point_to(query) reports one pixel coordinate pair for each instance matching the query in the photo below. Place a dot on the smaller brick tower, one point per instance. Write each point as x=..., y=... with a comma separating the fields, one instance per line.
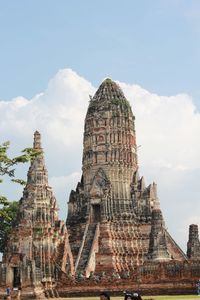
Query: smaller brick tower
x=157, y=240
x=37, y=248
x=193, y=245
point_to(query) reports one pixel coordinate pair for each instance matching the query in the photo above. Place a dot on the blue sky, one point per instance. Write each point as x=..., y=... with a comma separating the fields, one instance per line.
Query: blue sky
x=62, y=50
x=155, y=44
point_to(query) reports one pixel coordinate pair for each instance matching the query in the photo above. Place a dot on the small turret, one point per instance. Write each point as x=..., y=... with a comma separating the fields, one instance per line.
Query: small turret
x=155, y=203
x=193, y=245
x=157, y=242
x=142, y=184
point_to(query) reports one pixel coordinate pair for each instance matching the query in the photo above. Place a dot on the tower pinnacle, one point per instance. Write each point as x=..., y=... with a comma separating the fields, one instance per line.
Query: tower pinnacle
x=109, y=97
x=37, y=140
x=37, y=173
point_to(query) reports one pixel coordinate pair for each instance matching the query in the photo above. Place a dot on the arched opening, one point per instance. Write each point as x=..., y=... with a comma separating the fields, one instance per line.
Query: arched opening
x=16, y=277
x=96, y=213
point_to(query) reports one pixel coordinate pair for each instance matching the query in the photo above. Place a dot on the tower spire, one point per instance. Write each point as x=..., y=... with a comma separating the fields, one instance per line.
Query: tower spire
x=37, y=173
x=37, y=140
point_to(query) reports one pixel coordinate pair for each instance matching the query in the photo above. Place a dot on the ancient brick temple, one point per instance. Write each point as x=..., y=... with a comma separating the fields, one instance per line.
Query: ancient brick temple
x=114, y=237
x=38, y=248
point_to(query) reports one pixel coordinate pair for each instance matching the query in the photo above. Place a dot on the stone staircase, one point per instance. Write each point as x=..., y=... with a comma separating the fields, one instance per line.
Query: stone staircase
x=85, y=249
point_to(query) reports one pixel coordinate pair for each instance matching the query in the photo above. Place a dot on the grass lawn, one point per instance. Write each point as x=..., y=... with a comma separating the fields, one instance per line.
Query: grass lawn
x=165, y=297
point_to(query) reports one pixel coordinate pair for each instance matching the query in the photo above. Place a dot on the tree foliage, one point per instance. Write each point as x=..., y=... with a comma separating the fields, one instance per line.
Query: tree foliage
x=8, y=165
x=8, y=210
x=6, y=223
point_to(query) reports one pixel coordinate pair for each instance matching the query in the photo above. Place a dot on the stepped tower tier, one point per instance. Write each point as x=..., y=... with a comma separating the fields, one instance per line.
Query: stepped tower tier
x=110, y=222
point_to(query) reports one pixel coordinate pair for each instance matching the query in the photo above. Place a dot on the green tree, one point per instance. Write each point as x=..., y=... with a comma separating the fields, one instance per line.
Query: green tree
x=10, y=210
x=7, y=166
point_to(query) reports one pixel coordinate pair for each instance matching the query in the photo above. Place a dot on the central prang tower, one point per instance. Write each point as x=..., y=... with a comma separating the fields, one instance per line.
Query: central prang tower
x=114, y=220
x=110, y=153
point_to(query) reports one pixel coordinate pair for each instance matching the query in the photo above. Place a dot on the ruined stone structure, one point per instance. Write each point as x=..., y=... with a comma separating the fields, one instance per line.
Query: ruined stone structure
x=37, y=249
x=193, y=245
x=114, y=221
x=114, y=237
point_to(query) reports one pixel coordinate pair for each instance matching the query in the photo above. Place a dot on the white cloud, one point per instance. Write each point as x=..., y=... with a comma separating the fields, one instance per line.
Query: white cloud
x=62, y=186
x=167, y=129
x=167, y=126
